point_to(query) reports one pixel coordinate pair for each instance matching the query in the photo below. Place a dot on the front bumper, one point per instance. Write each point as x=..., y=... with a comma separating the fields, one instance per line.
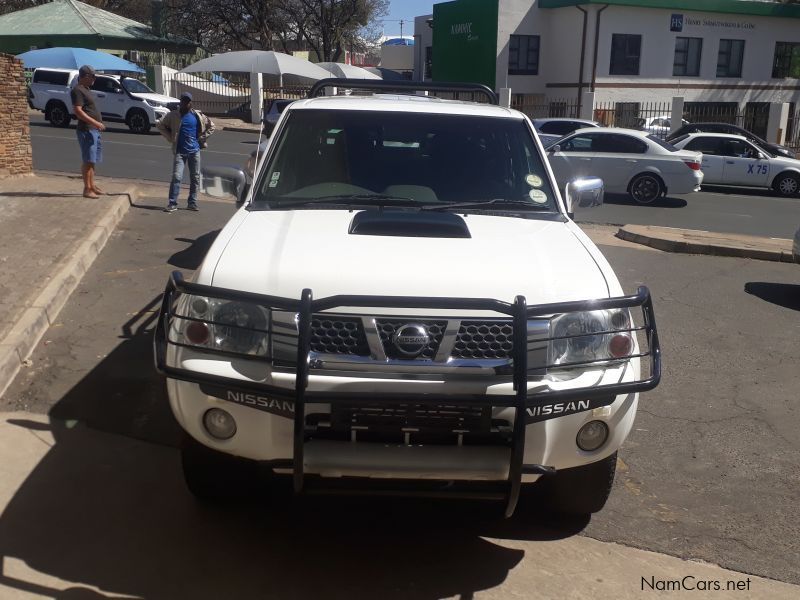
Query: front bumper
x=522, y=399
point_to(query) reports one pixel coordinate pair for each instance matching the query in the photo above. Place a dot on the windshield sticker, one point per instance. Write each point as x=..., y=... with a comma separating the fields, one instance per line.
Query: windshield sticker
x=538, y=196
x=533, y=180
x=275, y=177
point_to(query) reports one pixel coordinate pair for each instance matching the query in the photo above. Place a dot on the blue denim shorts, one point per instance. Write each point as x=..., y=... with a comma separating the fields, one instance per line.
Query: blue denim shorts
x=91, y=146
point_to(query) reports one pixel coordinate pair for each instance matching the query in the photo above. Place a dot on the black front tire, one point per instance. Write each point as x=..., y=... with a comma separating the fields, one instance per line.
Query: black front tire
x=214, y=477
x=787, y=185
x=138, y=121
x=580, y=490
x=646, y=188
x=58, y=115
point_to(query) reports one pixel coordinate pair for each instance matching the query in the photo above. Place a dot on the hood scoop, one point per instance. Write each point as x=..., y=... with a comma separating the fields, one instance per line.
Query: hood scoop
x=406, y=223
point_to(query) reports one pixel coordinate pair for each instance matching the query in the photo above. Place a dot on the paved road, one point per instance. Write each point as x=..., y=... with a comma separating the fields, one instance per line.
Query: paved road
x=126, y=154
x=710, y=472
x=148, y=157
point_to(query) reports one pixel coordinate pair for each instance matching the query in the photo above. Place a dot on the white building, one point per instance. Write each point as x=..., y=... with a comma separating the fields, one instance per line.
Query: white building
x=728, y=54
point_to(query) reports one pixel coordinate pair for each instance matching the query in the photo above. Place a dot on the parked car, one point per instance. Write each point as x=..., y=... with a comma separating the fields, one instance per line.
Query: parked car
x=735, y=160
x=774, y=149
x=629, y=162
x=659, y=126
x=119, y=99
x=272, y=112
x=562, y=126
x=352, y=324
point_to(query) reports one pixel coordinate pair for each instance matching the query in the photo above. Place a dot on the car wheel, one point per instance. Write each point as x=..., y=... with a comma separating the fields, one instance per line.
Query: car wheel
x=646, y=188
x=58, y=115
x=138, y=121
x=580, y=490
x=787, y=184
x=214, y=477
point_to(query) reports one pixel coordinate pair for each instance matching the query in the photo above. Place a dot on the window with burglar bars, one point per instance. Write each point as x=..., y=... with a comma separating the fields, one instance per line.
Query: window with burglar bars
x=787, y=60
x=626, y=49
x=687, y=56
x=523, y=55
x=730, y=57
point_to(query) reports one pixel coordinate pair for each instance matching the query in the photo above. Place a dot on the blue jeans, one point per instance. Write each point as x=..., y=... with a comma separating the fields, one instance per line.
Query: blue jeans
x=177, y=176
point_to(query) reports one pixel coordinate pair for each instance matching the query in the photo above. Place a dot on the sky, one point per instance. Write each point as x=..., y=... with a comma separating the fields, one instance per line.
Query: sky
x=406, y=10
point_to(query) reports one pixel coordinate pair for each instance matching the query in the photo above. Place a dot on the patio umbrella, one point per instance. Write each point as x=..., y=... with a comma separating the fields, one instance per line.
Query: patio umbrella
x=258, y=61
x=74, y=58
x=347, y=71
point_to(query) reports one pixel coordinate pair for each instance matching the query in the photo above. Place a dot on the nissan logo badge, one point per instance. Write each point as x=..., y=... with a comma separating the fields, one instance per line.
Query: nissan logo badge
x=411, y=339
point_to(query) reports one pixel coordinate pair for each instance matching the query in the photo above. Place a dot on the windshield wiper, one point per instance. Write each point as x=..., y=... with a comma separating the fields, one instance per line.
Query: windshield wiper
x=350, y=199
x=482, y=203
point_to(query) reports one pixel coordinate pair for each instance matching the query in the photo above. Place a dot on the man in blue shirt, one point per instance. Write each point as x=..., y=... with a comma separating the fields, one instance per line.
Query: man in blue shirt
x=187, y=129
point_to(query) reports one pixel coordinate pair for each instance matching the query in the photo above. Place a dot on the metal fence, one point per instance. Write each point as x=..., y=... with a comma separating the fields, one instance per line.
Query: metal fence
x=650, y=116
x=793, y=128
x=213, y=94
x=537, y=107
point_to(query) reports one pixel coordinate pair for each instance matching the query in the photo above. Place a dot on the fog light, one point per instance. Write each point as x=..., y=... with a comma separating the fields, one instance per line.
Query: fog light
x=592, y=435
x=219, y=423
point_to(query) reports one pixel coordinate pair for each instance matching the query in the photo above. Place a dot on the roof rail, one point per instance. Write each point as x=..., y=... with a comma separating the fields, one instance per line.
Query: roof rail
x=402, y=86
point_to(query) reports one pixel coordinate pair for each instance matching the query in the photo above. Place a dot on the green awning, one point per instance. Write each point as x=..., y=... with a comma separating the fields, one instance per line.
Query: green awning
x=71, y=23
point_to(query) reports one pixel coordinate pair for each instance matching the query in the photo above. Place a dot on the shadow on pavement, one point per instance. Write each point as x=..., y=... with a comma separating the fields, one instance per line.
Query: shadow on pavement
x=192, y=257
x=741, y=191
x=625, y=200
x=123, y=394
x=786, y=295
x=113, y=513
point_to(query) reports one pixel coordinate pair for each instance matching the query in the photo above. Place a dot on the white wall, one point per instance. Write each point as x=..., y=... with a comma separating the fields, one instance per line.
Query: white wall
x=658, y=51
x=423, y=38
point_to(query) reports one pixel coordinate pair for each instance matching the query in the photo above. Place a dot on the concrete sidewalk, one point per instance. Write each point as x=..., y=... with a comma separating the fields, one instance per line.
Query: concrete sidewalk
x=86, y=514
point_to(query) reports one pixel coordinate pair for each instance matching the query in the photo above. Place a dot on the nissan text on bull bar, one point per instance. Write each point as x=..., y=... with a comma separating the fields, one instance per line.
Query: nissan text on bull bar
x=404, y=303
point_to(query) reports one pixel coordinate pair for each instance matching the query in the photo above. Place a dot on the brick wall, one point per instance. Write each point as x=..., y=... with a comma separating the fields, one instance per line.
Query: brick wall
x=15, y=130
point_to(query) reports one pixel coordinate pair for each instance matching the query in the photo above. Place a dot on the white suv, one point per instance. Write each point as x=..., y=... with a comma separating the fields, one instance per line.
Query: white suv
x=404, y=302
x=119, y=99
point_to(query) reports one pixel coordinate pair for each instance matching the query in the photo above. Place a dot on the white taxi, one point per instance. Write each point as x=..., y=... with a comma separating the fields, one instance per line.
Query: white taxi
x=628, y=161
x=733, y=160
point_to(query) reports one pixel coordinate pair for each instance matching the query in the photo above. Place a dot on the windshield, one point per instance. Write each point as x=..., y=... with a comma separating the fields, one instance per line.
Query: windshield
x=409, y=158
x=136, y=87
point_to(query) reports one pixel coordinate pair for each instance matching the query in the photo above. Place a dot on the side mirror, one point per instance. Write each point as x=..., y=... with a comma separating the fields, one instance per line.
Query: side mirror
x=119, y=91
x=554, y=148
x=583, y=193
x=220, y=181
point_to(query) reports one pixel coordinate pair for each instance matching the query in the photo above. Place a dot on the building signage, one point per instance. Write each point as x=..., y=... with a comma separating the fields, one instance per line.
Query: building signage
x=465, y=41
x=678, y=22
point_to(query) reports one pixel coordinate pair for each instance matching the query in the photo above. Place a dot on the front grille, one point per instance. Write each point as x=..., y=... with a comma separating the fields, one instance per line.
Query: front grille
x=173, y=105
x=386, y=329
x=484, y=340
x=338, y=335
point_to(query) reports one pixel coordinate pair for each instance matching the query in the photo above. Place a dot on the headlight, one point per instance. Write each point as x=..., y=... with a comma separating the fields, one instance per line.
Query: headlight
x=238, y=327
x=582, y=338
x=155, y=103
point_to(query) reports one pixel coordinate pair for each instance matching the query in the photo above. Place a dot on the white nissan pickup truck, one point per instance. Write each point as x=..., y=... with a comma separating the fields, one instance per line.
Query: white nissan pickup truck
x=403, y=302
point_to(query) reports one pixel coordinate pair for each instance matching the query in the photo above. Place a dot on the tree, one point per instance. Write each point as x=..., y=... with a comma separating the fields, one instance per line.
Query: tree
x=331, y=26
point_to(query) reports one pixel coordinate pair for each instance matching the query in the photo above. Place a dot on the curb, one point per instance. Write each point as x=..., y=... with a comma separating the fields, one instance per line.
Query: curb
x=240, y=129
x=44, y=309
x=676, y=241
